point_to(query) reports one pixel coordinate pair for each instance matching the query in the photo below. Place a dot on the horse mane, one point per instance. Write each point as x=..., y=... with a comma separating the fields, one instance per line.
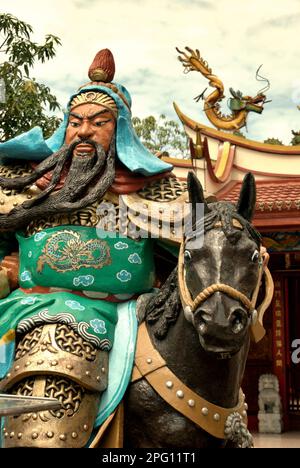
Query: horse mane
x=164, y=308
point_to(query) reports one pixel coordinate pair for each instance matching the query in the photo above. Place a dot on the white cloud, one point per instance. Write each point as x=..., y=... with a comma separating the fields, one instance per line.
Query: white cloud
x=234, y=36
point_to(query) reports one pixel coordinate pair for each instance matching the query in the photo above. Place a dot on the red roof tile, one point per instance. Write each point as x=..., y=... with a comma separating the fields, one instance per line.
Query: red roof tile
x=272, y=196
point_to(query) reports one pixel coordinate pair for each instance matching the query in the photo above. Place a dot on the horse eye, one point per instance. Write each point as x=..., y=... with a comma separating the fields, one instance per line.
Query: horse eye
x=187, y=255
x=255, y=256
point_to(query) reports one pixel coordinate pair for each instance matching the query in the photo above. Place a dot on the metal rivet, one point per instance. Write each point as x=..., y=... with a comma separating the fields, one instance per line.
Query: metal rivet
x=103, y=370
x=145, y=205
x=17, y=368
x=29, y=197
x=204, y=411
x=2, y=202
x=169, y=384
x=8, y=375
x=27, y=363
x=180, y=394
x=34, y=416
x=11, y=435
x=20, y=435
x=15, y=203
x=161, y=210
x=4, y=429
x=88, y=373
x=50, y=434
x=6, y=434
x=40, y=361
x=149, y=361
x=63, y=437
x=191, y=403
x=53, y=363
x=34, y=435
x=74, y=435
x=173, y=231
x=69, y=366
x=217, y=417
x=85, y=427
x=98, y=378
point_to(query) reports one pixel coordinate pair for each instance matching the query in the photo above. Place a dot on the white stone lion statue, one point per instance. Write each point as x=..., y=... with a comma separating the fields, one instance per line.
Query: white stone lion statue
x=269, y=402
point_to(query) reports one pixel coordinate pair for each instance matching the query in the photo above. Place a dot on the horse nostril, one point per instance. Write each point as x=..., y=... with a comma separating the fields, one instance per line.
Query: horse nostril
x=238, y=320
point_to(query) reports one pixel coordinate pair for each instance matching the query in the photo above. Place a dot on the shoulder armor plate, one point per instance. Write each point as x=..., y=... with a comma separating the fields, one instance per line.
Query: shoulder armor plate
x=9, y=198
x=159, y=209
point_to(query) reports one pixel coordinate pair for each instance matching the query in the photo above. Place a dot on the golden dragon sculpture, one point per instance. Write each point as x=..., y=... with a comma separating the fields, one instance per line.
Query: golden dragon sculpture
x=239, y=104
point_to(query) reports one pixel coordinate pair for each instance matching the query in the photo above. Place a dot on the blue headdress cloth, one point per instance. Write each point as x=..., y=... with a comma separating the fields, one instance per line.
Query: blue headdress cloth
x=130, y=151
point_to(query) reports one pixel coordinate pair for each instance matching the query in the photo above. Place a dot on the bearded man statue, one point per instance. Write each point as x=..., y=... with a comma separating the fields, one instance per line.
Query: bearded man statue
x=71, y=272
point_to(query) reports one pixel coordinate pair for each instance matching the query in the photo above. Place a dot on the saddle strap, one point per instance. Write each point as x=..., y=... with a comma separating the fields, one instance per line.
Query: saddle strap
x=208, y=416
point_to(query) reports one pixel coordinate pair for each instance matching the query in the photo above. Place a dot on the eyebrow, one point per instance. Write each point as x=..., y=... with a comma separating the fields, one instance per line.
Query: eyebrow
x=90, y=117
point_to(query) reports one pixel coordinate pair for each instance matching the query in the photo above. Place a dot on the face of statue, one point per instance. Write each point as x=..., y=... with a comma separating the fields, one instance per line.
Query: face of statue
x=90, y=122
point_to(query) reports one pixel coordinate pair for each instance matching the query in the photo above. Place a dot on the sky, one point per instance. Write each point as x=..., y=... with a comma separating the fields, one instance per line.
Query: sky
x=234, y=36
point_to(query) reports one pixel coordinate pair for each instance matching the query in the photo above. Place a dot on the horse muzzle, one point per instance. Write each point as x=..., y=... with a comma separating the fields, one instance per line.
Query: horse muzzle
x=221, y=330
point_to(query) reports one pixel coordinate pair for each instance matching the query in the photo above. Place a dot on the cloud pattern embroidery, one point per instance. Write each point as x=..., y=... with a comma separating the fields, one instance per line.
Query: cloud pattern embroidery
x=26, y=276
x=135, y=258
x=124, y=276
x=39, y=236
x=121, y=246
x=74, y=305
x=98, y=326
x=30, y=300
x=87, y=280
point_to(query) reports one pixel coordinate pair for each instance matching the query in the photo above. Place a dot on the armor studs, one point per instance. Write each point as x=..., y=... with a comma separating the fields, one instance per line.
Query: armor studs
x=179, y=394
x=34, y=435
x=217, y=417
x=169, y=384
x=74, y=435
x=204, y=411
x=85, y=427
x=63, y=437
x=149, y=361
x=50, y=434
x=191, y=403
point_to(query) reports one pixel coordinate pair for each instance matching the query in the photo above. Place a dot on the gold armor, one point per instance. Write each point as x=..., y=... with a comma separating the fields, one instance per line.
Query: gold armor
x=54, y=361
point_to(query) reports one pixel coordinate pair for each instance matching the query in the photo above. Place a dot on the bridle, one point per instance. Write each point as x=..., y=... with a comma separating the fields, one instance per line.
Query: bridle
x=190, y=305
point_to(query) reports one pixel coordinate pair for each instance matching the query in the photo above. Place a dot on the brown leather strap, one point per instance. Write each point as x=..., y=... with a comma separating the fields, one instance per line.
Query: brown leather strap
x=151, y=365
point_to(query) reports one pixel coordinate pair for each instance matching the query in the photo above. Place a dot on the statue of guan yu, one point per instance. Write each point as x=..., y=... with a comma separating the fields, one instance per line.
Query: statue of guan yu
x=74, y=265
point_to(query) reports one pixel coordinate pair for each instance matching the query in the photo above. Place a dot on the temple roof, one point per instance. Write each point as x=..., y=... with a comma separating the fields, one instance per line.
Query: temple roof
x=277, y=205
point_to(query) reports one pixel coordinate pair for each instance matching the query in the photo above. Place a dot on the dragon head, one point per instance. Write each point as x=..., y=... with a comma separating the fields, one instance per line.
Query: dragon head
x=239, y=102
x=251, y=104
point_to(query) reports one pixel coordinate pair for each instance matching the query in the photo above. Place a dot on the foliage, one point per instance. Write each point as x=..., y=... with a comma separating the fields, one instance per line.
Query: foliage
x=162, y=135
x=24, y=101
x=273, y=141
x=296, y=138
x=238, y=133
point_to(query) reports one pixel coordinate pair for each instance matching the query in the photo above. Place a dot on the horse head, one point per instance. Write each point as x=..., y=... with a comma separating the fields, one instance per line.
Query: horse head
x=219, y=269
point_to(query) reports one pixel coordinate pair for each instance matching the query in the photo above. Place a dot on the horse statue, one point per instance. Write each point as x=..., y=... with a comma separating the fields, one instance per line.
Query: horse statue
x=194, y=338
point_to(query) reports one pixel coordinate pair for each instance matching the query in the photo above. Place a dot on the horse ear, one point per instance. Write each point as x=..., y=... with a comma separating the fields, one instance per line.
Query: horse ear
x=196, y=195
x=246, y=203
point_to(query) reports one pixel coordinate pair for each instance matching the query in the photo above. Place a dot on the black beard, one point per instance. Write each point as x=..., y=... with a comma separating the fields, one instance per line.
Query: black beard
x=88, y=178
